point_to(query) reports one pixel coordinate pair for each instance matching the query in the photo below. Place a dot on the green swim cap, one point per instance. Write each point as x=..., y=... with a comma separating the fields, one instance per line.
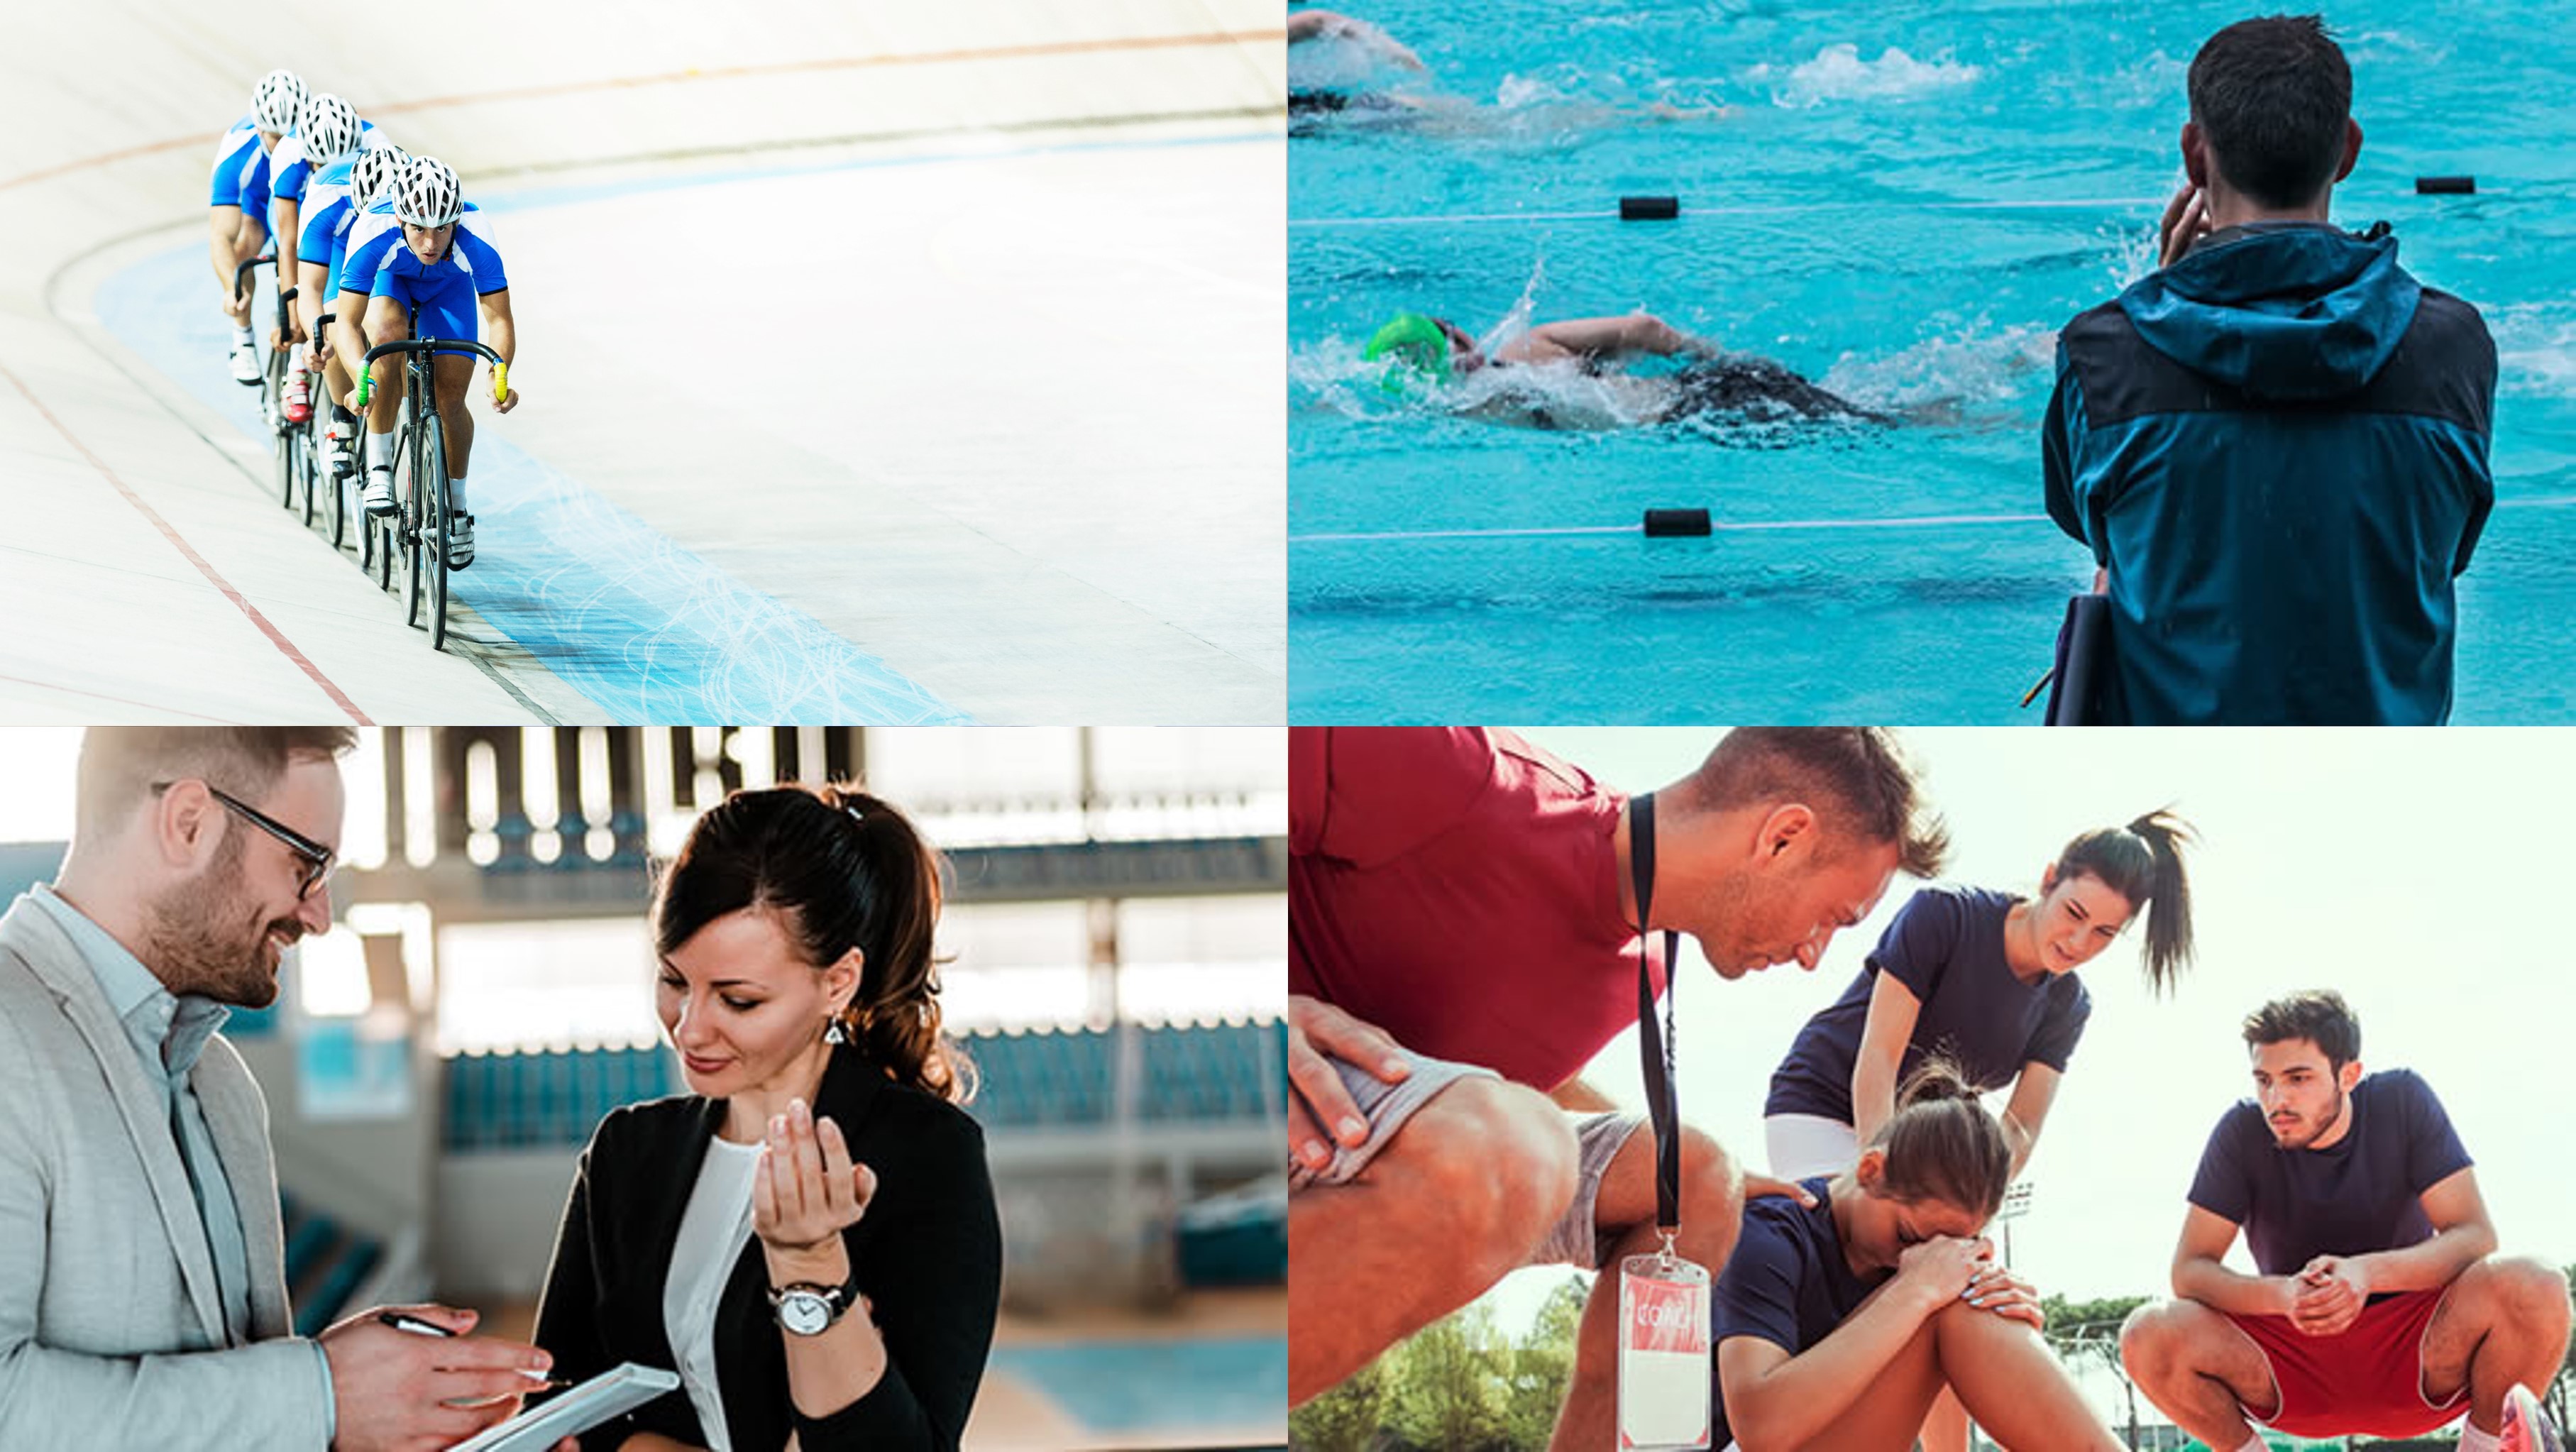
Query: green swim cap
x=1415, y=346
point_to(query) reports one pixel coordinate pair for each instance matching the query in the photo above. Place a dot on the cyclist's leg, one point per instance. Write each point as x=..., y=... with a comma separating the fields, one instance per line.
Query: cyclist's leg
x=386, y=323
x=454, y=373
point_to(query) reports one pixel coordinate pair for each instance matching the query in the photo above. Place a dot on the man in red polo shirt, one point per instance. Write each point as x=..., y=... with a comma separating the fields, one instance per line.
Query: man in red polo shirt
x=1462, y=941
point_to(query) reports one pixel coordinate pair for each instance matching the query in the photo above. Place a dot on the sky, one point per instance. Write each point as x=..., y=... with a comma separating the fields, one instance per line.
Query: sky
x=2411, y=870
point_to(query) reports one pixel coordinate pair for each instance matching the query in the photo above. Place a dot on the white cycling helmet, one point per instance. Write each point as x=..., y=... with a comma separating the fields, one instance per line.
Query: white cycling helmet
x=429, y=195
x=278, y=100
x=329, y=127
x=373, y=172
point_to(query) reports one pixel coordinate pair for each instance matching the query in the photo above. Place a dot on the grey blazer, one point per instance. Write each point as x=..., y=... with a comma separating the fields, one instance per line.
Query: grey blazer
x=111, y=1334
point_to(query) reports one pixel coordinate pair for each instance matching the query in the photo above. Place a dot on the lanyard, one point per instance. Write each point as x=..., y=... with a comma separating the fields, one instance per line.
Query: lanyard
x=1655, y=1041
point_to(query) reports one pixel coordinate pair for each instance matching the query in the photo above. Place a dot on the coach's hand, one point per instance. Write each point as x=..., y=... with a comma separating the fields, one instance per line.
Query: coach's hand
x=1757, y=1186
x=2332, y=1291
x=2186, y=221
x=1317, y=1098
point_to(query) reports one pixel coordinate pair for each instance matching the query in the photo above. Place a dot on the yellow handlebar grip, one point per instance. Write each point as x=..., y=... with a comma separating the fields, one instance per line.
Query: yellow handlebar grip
x=500, y=382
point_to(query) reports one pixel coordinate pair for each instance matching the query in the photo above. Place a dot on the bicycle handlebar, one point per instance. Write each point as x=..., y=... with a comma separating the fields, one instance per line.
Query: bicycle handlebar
x=500, y=365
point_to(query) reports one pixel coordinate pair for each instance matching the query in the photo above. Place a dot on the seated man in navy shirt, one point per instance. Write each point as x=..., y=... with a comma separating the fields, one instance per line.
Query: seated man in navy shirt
x=2381, y=1307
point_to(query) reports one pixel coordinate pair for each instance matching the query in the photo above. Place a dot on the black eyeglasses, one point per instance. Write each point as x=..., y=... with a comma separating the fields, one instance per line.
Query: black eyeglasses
x=315, y=859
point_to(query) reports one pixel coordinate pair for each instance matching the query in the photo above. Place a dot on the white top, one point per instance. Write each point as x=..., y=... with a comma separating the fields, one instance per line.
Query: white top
x=713, y=1231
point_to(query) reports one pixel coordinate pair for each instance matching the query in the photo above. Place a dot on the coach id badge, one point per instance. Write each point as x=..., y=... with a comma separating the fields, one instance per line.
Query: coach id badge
x=1664, y=1367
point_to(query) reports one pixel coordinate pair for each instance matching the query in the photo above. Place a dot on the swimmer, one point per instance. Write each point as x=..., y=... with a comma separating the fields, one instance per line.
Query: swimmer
x=1572, y=374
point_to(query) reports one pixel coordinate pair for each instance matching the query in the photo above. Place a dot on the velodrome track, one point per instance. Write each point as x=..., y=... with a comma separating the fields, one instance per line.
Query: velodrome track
x=874, y=367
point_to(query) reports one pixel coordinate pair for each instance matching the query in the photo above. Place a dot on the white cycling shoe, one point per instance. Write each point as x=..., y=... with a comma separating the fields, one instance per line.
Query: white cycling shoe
x=379, y=495
x=246, y=364
x=460, y=541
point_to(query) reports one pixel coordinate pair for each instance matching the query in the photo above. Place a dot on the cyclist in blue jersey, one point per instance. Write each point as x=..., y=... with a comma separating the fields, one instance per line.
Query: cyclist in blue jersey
x=327, y=133
x=238, y=223
x=371, y=178
x=449, y=275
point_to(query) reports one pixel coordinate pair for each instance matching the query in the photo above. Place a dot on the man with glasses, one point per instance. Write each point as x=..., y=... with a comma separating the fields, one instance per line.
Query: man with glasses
x=142, y=1272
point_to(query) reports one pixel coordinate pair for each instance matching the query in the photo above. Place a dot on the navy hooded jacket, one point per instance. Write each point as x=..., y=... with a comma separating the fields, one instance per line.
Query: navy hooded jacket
x=2278, y=448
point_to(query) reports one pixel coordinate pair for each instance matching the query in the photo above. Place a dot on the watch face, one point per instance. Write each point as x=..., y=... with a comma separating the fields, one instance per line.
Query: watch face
x=804, y=1313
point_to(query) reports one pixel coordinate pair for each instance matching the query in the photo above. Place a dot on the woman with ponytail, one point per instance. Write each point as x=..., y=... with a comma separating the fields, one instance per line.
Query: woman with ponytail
x=1987, y=980
x=809, y=1236
x=1836, y=1324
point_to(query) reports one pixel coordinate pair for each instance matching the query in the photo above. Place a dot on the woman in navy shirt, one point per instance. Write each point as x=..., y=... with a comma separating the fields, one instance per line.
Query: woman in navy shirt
x=1987, y=979
x=1837, y=1324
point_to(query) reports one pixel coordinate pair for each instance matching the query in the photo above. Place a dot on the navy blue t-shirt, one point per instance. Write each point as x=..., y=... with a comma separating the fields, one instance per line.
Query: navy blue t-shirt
x=1947, y=944
x=1786, y=1282
x=2357, y=1195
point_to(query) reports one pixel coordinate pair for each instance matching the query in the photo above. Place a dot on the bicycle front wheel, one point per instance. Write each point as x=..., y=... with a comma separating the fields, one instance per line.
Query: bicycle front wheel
x=434, y=539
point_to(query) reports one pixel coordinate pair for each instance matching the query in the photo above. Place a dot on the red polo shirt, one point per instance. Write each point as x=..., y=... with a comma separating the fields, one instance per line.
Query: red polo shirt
x=1458, y=888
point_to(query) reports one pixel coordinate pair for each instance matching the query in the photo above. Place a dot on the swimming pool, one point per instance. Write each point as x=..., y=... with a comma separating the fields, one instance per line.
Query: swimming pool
x=1903, y=202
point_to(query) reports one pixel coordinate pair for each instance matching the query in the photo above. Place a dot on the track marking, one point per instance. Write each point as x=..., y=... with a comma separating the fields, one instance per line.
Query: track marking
x=276, y=637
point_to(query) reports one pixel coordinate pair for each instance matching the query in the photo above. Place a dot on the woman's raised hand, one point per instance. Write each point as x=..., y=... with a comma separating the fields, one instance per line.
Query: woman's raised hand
x=807, y=1192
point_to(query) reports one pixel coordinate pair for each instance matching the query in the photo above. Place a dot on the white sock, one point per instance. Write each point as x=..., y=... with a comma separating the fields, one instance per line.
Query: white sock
x=456, y=496
x=2473, y=1440
x=241, y=335
x=380, y=450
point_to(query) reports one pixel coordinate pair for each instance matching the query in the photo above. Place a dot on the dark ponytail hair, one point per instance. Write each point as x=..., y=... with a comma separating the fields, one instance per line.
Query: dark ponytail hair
x=2143, y=863
x=1942, y=1144
x=842, y=870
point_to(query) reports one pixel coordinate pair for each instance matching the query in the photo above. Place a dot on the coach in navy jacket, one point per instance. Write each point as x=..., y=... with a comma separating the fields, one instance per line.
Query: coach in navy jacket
x=2276, y=445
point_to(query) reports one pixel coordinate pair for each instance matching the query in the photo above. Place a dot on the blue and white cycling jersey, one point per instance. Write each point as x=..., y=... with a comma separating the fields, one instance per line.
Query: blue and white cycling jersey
x=234, y=157
x=326, y=203
x=445, y=292
x=292, y=170
x=374, y=232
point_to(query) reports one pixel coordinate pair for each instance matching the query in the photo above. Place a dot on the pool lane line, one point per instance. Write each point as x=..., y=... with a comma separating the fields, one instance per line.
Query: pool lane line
x=275, y=636
x=1767, y=209
x=1717, y=526
x=1751, y=526
x=612, y=83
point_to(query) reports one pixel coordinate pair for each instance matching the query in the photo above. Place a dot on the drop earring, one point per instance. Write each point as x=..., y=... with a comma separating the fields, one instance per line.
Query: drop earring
x=832, y=1031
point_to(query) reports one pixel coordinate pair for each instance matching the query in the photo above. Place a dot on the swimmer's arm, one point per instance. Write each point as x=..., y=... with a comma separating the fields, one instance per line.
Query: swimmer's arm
x=2199, y=1276
x=2033, y=1092
x=1775, y=1400
x=1893, y=1010
x=2462, y=1236
x=1613, y=337
x=1306, y=25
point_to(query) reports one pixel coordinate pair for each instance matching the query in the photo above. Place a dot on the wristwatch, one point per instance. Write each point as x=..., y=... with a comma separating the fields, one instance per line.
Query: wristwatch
x=806, y=1309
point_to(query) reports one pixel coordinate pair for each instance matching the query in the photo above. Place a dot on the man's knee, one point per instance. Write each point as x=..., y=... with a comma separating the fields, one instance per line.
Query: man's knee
x=2150, y=1336
x=1712, y=1187
x=1498, y=1161
x=2527, y=1292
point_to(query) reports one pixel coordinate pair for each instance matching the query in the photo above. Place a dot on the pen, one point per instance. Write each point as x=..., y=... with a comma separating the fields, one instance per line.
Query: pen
x=419, y=1327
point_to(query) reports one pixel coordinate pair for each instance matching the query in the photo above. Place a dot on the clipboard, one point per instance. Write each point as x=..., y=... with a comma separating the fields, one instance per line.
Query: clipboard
x=609, y=1394
x=2083, y=663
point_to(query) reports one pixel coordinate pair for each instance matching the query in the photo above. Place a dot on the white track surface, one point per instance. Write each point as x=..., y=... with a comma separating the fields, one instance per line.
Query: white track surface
x=950, y=337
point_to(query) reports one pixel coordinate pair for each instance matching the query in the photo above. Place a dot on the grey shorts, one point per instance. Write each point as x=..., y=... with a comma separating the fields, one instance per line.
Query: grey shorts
x=1574, y=1240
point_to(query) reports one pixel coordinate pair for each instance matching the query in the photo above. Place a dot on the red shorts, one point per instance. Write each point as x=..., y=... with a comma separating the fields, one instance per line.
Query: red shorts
x=2369, y=1379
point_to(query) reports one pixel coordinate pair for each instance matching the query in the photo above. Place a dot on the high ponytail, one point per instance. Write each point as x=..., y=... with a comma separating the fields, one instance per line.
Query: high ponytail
x=2142, y=862
x=843, y=870
x=1941, y=1143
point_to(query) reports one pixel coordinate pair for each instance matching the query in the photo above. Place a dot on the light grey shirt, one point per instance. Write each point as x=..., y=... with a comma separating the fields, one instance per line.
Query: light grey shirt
x=169, y=1031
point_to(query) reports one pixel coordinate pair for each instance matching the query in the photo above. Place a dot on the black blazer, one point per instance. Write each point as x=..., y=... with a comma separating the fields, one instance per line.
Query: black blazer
x=927, y=1254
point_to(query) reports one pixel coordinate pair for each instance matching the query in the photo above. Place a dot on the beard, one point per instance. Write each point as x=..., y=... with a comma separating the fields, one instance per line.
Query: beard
x=2325, y=1125
x=205, y=936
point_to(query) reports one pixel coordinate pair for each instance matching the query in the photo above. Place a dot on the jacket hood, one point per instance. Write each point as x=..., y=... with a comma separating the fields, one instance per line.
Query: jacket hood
x=2284, y=310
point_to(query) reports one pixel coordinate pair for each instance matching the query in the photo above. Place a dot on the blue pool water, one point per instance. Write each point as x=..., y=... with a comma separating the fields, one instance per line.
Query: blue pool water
x=1139, y=1386
x=1902, y=201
